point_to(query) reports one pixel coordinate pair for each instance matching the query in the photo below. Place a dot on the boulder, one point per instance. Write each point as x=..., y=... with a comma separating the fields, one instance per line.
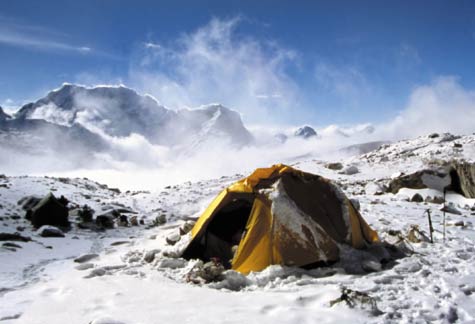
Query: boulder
x=14, y=237
x=86, y=257
x=186, y=227
x=105, y=221
x=173, y=238
x=28, y=202
x=150, y=255
x=349, y=170
x=434, y=200
x=451, y=209
x=334, y=166
x=373, y=188
x=49, y=211
x=420, y=180
x=50, y=231
x=463, y=175
x=134, y=221
x=417, y=198
x=123, y=221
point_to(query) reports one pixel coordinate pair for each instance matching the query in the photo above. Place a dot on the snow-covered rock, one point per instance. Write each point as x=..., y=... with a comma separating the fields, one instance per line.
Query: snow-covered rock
x=349, y=170
x=50, y=231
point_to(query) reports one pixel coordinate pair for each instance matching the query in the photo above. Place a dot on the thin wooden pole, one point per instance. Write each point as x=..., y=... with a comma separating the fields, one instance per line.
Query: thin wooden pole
x=445, y=190
x=431, y=229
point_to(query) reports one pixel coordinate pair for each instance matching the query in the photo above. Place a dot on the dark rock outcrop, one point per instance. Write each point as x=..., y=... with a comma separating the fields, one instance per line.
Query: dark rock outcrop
x=463, y=178
x=49, y=211
x=305, y=132
x=420, y=180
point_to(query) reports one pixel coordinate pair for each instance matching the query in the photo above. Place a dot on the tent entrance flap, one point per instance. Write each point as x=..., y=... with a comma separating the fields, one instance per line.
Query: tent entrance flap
x=223, y=232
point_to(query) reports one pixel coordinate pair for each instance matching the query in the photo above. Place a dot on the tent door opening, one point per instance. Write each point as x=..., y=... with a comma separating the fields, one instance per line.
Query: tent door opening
x=223, y=233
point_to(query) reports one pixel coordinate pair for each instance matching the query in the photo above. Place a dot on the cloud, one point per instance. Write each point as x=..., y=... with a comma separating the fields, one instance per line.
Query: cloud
x=442, y=106
x=346, y=82
x=18, y=34
x=215, y=63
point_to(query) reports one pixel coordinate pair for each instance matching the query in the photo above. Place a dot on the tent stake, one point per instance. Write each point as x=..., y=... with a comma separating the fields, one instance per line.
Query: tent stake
x=431, y=229
x=444, y=212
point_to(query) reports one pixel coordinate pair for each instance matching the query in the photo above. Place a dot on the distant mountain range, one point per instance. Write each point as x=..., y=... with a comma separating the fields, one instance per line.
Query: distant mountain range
x=76, y=122
x=119, y=111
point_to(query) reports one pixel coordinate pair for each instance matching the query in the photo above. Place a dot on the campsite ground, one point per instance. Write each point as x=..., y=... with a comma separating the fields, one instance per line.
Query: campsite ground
x=40, y=282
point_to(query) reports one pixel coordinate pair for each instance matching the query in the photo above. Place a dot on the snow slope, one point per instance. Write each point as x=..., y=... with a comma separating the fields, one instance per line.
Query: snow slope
x=434, y=284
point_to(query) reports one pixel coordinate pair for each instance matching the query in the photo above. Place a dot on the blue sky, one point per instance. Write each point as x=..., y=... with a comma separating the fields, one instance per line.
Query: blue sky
x=280, y=61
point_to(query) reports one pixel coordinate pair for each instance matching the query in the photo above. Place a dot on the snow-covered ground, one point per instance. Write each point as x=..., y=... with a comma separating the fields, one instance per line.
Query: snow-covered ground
x=41, y=283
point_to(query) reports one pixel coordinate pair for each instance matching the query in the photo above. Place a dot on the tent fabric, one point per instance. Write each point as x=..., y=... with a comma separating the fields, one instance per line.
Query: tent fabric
x=296, y=219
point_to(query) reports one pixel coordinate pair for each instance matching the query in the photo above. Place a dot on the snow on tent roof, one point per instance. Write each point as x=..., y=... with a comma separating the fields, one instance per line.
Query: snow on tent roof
x=278, y=215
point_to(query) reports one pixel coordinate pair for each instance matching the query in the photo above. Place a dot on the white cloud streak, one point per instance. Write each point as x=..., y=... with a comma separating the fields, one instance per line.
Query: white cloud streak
x=216, y=64
x=13, y=33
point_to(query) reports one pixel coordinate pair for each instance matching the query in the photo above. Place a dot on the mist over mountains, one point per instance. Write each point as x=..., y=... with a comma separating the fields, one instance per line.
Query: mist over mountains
x=115, y=128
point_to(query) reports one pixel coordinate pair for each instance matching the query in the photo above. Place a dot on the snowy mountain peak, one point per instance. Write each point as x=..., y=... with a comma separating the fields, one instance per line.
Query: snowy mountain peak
x=305, y=132
x=3, y=115
x=119, y=111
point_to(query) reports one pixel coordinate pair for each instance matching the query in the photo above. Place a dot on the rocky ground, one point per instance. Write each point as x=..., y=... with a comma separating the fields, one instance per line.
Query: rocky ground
x=131, y=273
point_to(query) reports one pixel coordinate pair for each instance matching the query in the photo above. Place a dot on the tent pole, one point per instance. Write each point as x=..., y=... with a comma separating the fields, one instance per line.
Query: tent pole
x=431, y=229
x=445, y=190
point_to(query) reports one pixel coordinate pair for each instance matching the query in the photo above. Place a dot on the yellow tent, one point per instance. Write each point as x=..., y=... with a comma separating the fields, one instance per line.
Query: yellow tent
x=278, y=215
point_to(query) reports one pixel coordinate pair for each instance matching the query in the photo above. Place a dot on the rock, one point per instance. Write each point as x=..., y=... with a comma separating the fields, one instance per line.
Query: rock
x=415, y=235
x=86, y=257
x=349, y=170
x=371, y=266
x=28, y=202
x=186, y=227
x=361, y=300
x=173, y=238
x=12, y=245
x=14, y=237
x=435, y=200
x=160, y=220
x=50, y=231
x=49, y=211
x=305, y=132
x=451, y=209
x=85, y=213
x=99, y=272
x=417, y=198
x=123, y=221
x=172, y=263
x=464, y=174
x=134, y=221
x=420, y=180
x=334, y=166
x=119, y=243
x=105, y=221
x=374, y=189
x=91, y=226
x=211, y=271
x=457, y=223
x=150, y=255
x=84, y=266
x=433, y=135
